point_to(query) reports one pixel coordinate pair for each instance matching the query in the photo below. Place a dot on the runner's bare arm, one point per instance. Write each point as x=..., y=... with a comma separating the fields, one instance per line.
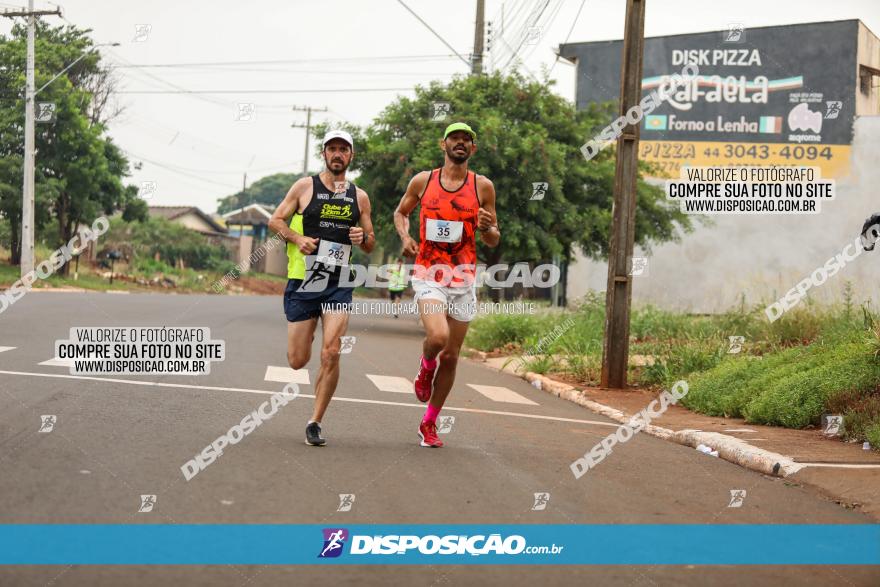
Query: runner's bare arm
x=408, y=202
x=280, y=221
x=363, y=235
x=487, y=221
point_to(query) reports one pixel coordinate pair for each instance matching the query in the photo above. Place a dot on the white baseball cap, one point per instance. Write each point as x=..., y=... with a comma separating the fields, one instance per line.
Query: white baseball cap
x=337, y=134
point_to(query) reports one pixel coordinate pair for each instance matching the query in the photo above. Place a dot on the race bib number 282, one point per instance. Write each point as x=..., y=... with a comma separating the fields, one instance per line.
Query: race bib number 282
x=330, y=253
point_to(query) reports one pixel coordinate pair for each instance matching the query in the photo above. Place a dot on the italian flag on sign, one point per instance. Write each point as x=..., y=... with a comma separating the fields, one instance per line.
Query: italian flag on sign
x=771, y=124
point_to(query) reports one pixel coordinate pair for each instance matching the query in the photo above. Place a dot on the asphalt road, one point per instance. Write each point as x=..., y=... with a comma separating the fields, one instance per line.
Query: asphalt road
x=116, y=440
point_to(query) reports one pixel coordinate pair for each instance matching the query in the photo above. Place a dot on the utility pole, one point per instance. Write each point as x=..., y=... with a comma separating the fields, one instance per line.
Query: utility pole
x=27, y=194
x=618, y=295
x=479, y=30
x=308, y=126
x=241, y=210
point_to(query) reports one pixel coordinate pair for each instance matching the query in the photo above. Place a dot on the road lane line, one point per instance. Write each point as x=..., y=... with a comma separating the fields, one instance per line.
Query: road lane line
x=3, y=349
x=335, y=398
x=393, y=384
x=502, y=394
x=843, y=465
x=145, y=383
x=287, y=375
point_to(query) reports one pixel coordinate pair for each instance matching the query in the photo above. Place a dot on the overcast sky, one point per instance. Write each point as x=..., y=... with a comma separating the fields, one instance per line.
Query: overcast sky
x=352, y=57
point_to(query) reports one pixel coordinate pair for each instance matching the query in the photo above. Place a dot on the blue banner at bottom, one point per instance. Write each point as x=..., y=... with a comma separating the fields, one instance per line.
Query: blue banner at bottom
x=455, y=544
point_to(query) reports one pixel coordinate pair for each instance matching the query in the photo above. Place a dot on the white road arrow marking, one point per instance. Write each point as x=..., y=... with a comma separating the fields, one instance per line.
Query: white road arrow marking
x=502, y=394
x=287, y=375
x=394, y=384
x=56, y=362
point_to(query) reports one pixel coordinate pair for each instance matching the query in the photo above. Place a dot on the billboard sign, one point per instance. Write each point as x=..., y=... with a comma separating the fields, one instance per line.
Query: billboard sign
x=765, y=96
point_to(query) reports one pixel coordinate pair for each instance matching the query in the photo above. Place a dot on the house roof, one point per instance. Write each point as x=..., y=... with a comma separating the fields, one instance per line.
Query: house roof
x=253, y=215
x=172, y=212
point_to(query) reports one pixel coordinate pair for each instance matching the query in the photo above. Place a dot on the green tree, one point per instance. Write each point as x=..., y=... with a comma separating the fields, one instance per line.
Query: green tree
x=79, y=170
x=136, y=209
x=525, y=134
x=269, y=190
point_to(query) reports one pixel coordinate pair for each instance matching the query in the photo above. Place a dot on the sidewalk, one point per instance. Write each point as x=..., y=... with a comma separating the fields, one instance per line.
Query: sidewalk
x=841, y=471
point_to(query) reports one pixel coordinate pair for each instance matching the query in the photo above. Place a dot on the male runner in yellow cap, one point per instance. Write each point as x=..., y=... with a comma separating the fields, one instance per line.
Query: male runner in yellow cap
x=455, y=203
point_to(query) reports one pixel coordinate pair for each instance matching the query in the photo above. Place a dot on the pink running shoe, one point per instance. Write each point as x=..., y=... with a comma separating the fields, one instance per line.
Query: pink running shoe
x=428, y=435
x=424, y=383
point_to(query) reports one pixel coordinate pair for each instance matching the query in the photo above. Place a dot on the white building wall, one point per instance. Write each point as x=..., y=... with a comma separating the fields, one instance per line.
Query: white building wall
x=761, y=256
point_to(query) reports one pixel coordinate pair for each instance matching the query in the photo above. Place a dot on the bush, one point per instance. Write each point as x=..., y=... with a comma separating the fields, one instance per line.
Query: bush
x=5, y=234
x=860, y=413
x=495, y=331
x=800, y=325
x=539, y=364
x=171, y=242
x=585, y=367
x=678, y=361
x=709, y=392
x=872, y=433
x=150, y=266
x=797, y=397
x=813, y=360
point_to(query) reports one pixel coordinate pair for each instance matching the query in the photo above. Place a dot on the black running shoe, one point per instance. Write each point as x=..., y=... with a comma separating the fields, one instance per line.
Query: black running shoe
x=313, y=435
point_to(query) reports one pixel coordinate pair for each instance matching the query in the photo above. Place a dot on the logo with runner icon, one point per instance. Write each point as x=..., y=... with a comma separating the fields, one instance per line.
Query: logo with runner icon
x=541, y=501
x=334, y=541
x=737, y=497
x=336, y=211
x=445, y=425
x=47, y=423
x=148, y=502
x=346, y=500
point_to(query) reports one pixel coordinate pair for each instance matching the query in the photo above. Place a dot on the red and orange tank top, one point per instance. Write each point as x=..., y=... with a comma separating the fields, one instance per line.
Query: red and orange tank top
x=447, y=229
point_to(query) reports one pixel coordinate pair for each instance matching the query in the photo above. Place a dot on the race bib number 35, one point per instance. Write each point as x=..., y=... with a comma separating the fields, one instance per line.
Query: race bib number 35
x=443, y=231
x=330, y=253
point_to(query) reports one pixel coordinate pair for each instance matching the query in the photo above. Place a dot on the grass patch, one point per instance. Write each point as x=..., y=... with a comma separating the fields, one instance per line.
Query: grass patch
x=813, y=360
x=503, y=330
x=798, y=397
x=142, y=275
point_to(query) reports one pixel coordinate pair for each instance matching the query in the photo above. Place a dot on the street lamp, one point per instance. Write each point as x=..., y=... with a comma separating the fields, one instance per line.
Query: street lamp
x=74, y=62
x=27, y=211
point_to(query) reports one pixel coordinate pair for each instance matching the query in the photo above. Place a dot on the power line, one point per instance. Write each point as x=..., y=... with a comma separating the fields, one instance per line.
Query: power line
x=510, y=23
x=554, y=12
x=571, y=30
x=167, y=84
x=390, y=58
x=172, y=167
x=214, y=70
x=150, y=126
x=308, y=126
x=436, y=34
x=525, y=34
x=173, y=170
x=177, y=89
x=516, y=26
x=265, y=91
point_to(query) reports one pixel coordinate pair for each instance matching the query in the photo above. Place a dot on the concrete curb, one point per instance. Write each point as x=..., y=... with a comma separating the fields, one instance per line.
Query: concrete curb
x=734, y=450
x=740, y=452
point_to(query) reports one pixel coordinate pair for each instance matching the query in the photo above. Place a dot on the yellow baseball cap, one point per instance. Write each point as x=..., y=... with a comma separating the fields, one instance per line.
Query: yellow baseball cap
x=459, y=126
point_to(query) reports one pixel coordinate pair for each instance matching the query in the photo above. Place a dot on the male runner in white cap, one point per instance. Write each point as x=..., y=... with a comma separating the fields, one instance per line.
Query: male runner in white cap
x=321, y=218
